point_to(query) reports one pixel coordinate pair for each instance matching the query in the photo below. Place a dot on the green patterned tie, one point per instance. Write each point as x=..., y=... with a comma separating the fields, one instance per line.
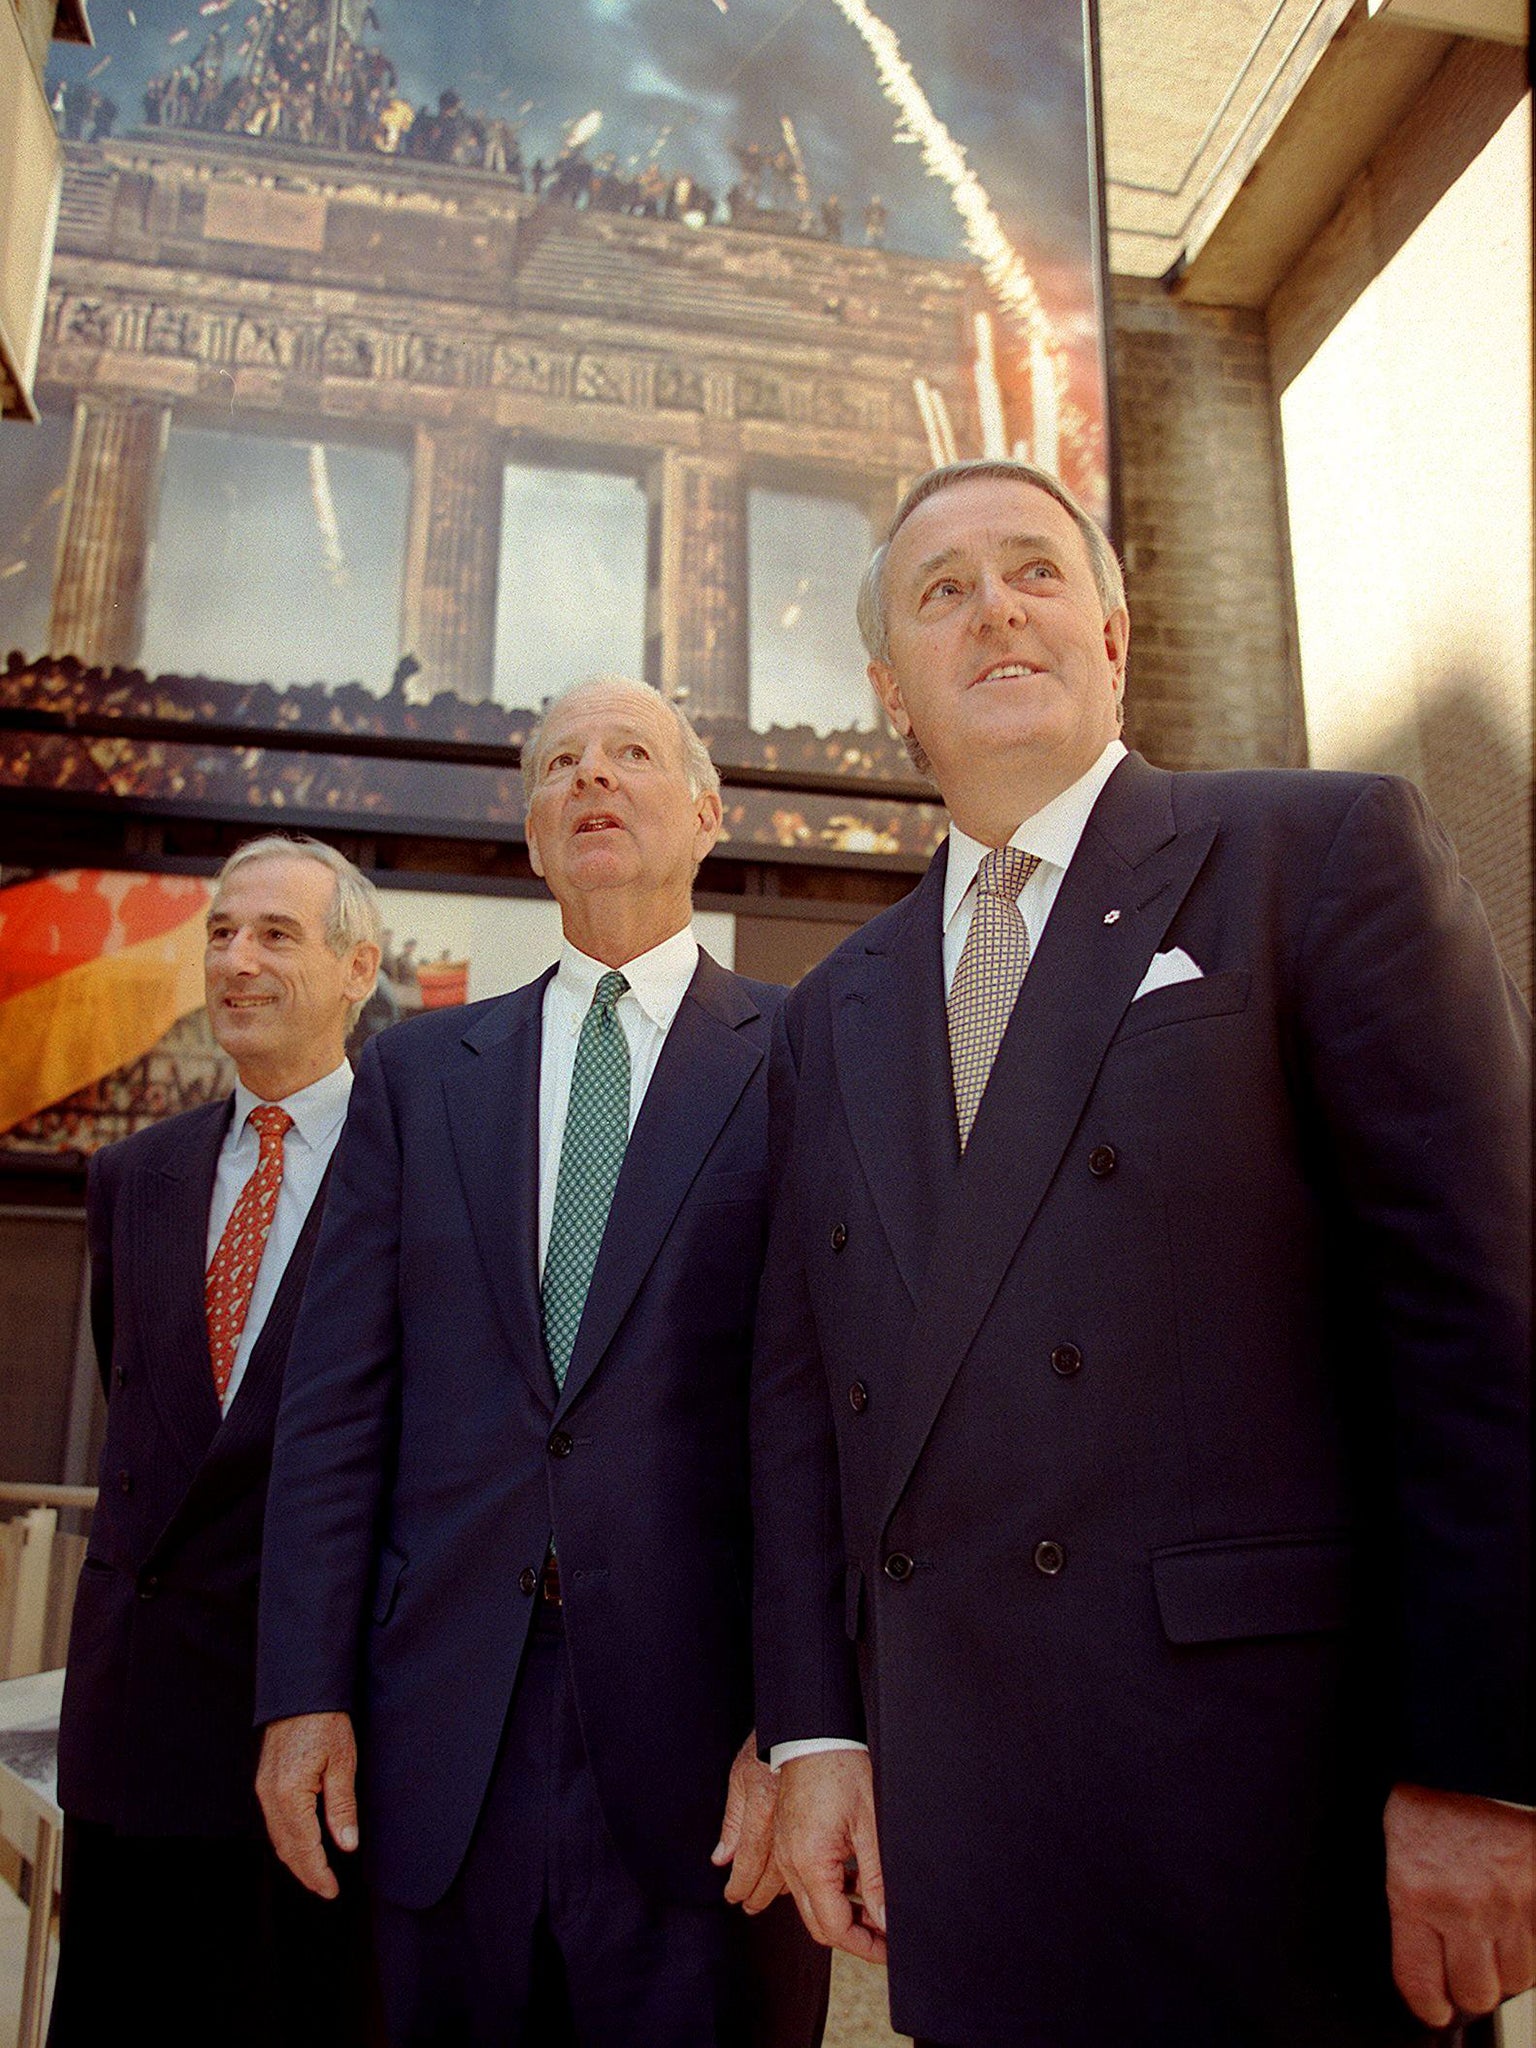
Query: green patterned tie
x=993, y=963
x=591, y=1153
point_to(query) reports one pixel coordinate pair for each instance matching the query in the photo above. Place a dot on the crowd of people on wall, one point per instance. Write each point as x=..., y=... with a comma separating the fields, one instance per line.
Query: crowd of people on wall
x=61, y=683
x=295, y=79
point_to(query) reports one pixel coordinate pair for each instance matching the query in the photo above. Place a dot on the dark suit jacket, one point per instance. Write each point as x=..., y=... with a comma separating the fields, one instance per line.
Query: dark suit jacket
x=423, y=1460
x=1178, y=1434
x=156, y=1734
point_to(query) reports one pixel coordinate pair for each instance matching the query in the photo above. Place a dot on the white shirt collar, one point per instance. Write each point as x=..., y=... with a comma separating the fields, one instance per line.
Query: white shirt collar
x=658, y=980
x=316, y=1110
x=1051, y=834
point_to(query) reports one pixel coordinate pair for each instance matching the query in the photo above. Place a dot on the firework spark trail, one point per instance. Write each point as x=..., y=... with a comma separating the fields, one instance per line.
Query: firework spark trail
x=985, y=235
x=325, y=516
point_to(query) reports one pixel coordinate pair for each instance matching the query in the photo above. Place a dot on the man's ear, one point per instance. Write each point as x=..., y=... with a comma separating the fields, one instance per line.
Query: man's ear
x=363, y=974
x=1117, y=645
x=532, y=837
x=709, y=816
x=882, y=680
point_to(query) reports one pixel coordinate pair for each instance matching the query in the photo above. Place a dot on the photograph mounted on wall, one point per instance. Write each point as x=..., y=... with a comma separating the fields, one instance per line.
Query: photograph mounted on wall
x=101, y=993
x=404, y=363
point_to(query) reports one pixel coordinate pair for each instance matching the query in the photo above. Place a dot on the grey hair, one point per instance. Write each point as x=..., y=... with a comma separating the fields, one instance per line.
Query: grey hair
x=1107, y=577
x=354, y=917
x=700, y=770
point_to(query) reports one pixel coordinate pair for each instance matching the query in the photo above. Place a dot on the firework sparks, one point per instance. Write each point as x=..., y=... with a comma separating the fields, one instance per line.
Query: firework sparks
x=583, y=130
x=325, y=516
x=798, y=178
x=984, y=234
x=989, y=393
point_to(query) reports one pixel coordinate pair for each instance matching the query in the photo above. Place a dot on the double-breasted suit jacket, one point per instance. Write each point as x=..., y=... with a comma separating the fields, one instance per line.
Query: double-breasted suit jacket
x=1164, y=1461
x=156, y=1736
x=425, y=1460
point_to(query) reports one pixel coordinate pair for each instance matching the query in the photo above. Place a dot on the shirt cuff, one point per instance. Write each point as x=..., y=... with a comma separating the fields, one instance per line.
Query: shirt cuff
x=785, y=1752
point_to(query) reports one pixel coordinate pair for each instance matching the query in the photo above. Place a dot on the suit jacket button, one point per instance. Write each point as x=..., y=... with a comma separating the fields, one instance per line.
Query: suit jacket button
x=899, y=1567
x=1049, y=1558
x=1066, y=1359
x=561, y=1445
x=125, y=1482
x=148, y=1587
x=839, y=1236
x=1101, y=1161
x=528, y=1580
x=858, y=1397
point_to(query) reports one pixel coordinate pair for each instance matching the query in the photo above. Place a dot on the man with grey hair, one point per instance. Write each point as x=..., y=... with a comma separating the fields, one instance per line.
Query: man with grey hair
x=179, y=1923
x=508, y=1555
x=1141, y=1411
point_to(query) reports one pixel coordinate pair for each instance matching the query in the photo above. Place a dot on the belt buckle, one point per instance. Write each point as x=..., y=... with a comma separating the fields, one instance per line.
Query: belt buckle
x=549, y=1582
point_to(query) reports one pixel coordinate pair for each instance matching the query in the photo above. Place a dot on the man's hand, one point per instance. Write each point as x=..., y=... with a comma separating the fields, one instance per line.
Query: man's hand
x=308, y=1758
x=826, y=1819
x=1461, y=1883
x=746, y=1833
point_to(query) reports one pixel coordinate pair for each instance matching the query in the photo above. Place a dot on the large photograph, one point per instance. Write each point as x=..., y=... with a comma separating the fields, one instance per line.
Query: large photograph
x=101, y=992
x=403, y=363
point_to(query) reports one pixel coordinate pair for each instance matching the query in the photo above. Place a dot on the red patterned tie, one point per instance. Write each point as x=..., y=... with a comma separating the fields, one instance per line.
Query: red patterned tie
x=238, y=1258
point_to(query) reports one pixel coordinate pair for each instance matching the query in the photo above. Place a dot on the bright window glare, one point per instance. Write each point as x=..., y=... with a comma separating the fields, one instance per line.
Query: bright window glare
x=807, y=662
x=275, y=561
x=571, y=584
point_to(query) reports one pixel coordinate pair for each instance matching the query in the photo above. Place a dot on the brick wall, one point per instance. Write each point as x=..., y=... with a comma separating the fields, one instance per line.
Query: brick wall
x=1213, y=681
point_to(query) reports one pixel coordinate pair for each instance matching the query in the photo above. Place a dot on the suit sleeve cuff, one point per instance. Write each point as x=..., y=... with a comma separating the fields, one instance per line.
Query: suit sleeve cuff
x=785, y=1752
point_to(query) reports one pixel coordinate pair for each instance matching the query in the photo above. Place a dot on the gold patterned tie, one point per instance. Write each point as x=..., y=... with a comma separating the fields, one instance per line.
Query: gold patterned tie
x=993, y=964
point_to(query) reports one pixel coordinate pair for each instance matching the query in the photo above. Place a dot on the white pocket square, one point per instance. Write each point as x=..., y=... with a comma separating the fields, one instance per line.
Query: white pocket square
x=1166, y=969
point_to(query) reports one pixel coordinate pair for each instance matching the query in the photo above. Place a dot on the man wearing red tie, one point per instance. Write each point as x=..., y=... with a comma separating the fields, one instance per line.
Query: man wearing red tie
x=201, y=1233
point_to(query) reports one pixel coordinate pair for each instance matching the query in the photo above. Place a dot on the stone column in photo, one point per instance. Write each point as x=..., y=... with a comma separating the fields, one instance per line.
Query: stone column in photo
x=110, y=506
x=696, y=607
x=448, y=612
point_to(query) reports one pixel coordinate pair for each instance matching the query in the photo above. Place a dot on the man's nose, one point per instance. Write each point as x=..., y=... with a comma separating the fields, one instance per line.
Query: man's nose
x=242, y=953
x=998, y=602
x=592, y=768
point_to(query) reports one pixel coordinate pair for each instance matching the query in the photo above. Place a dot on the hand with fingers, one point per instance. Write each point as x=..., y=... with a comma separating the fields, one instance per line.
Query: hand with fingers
x=746, y=1833
x=307, y=1763
x=1461, y=1885
x=829, y=1851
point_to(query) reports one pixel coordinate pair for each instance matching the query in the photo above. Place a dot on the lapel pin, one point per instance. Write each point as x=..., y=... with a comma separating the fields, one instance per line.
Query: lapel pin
x=1111, y=917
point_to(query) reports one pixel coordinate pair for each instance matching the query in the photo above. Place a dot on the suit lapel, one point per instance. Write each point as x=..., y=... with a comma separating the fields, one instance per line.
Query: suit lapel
x=170, y=1237
x=705, y=1065
x=492, y=1102
x=891, y=1044
x=1132, y=870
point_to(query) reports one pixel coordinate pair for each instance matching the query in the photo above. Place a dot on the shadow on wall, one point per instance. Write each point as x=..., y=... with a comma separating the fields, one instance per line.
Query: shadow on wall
x=1479, y=783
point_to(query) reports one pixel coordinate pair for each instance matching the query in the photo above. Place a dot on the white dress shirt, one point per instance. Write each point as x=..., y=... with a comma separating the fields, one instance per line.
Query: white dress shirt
x=658, y=981
x=1051, y=835
x=318, y=1113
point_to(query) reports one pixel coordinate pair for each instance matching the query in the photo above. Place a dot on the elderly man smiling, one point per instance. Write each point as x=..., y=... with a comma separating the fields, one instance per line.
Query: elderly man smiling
x=510, y=1541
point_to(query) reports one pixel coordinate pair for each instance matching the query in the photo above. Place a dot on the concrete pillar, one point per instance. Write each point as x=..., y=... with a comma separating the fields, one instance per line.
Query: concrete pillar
x=448, y=613
x=696, y=607
x=110, y=506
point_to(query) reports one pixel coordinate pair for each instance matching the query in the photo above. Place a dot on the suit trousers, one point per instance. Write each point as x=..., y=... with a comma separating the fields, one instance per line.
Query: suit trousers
x=182, y=1940
x=544, y=1940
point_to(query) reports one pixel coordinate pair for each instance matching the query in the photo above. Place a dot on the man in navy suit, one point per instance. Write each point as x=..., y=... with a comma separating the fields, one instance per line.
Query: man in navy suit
x=1141, y=1426
x=509, y=1544
x=179, y=1924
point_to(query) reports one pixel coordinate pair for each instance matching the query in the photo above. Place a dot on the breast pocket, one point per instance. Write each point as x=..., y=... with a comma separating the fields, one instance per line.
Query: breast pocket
x=1181, y=1002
